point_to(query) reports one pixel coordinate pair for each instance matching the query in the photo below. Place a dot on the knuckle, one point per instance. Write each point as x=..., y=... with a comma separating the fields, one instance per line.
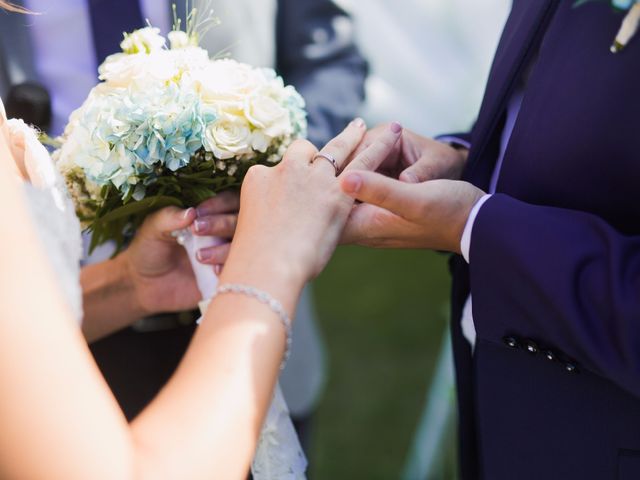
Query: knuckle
x=301, y=147
x=220, y=202
x=339, y=144
x=420, y=210
x=220, y=254
x=256, y=172
x=379, y=219
x=365, y=160
x=425, y=170
x=229, y=223
x=387, y=141
x=229, y=198
x=254, y=178
x=381, y=196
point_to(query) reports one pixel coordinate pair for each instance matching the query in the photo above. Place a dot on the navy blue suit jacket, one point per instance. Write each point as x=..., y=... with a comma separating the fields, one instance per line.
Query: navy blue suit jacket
x=552, y=389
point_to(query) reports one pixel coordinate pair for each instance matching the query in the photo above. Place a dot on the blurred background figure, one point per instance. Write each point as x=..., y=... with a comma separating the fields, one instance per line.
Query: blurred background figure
x=52, y=65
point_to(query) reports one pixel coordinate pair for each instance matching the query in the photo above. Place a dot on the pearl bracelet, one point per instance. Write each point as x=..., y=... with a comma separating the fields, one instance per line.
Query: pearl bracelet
x=262, y=297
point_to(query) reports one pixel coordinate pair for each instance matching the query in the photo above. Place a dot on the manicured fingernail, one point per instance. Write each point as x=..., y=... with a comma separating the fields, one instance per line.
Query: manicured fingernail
x=409, y=177
x=396, y=127
x=201, y=225
x=188, y=213
x=217, y=269
x=204, y=255
x=358, y=122
x=201, y=212
x=352, y=183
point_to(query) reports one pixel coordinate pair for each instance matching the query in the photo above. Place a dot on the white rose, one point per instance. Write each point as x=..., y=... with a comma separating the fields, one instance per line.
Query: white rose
x=228, y=137
x=268, y=115
x=260, y=142
x=144, y=40
x=226, y=83
x=189, y=59
x=122, y=71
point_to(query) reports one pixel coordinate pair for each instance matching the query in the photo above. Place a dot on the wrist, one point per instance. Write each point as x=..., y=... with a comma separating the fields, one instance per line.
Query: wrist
x=460, y=148
x=465, y=220
x=275, y=274
x=465, y=241
x=132, y=283
x=104, y=285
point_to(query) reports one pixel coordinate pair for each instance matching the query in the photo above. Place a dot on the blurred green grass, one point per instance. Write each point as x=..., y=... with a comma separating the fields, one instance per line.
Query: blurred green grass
x=382, y=314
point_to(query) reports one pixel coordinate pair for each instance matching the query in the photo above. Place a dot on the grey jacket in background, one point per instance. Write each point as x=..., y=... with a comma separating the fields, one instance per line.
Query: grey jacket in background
x=316, y=52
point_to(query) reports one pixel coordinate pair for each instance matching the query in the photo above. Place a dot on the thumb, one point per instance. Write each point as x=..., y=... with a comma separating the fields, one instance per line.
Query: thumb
x=376, y=189
x=419, y=172
x=169, y=219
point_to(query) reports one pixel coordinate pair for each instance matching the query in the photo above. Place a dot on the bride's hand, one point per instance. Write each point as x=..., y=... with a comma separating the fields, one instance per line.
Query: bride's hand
x=292, y=215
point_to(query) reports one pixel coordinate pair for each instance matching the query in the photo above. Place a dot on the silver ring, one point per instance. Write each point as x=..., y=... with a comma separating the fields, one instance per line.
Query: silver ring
x=329, y=158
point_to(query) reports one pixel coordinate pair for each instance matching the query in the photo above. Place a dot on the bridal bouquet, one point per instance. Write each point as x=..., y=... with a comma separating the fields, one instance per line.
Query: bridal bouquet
x=170, y=126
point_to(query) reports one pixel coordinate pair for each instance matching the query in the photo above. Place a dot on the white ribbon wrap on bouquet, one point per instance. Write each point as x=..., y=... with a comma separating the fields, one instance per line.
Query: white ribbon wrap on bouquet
x=279, y=455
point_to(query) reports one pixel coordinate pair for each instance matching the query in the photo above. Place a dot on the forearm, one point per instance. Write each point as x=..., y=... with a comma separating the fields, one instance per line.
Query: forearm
x=105, y=285
x=240, y=345
x=204, y=424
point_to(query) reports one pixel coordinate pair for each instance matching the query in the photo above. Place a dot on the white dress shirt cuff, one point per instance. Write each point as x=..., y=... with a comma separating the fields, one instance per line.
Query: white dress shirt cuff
x=454, y=141
x=465, y=241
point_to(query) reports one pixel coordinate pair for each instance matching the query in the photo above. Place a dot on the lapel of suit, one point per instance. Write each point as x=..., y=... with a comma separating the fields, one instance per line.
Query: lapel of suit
x=16, y=50
x=519, y=42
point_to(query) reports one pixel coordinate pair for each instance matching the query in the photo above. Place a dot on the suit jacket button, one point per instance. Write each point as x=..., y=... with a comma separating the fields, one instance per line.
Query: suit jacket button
x=511, y=342
x=531, y=347
x=570, y=367
x=549, y=355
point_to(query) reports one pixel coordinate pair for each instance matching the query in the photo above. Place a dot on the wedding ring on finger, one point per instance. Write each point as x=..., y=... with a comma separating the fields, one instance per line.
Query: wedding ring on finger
x=329, y=158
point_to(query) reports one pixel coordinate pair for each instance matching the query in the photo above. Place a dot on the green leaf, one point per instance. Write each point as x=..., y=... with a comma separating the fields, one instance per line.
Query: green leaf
x=133, y=208
x=115, y=218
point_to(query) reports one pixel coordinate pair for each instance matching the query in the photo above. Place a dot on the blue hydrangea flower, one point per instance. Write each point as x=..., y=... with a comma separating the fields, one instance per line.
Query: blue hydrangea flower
x=136, y=131
x=623, y=4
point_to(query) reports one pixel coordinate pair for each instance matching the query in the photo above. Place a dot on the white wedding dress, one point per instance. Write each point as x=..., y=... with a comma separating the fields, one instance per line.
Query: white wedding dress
x=52, y=211
x=59, y=230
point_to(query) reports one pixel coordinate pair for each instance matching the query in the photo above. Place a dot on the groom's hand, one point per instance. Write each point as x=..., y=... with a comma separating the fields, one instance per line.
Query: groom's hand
x=397, y=214
x=417, y=159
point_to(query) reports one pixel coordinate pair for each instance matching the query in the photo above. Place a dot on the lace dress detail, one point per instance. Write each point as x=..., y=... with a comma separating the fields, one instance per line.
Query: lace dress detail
x=279, y=455
x=61, y=240
x=53, y=213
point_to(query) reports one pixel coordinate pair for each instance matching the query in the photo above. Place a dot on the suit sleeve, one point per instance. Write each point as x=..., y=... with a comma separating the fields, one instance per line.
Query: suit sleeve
x=563, y=278
x=316, y=53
